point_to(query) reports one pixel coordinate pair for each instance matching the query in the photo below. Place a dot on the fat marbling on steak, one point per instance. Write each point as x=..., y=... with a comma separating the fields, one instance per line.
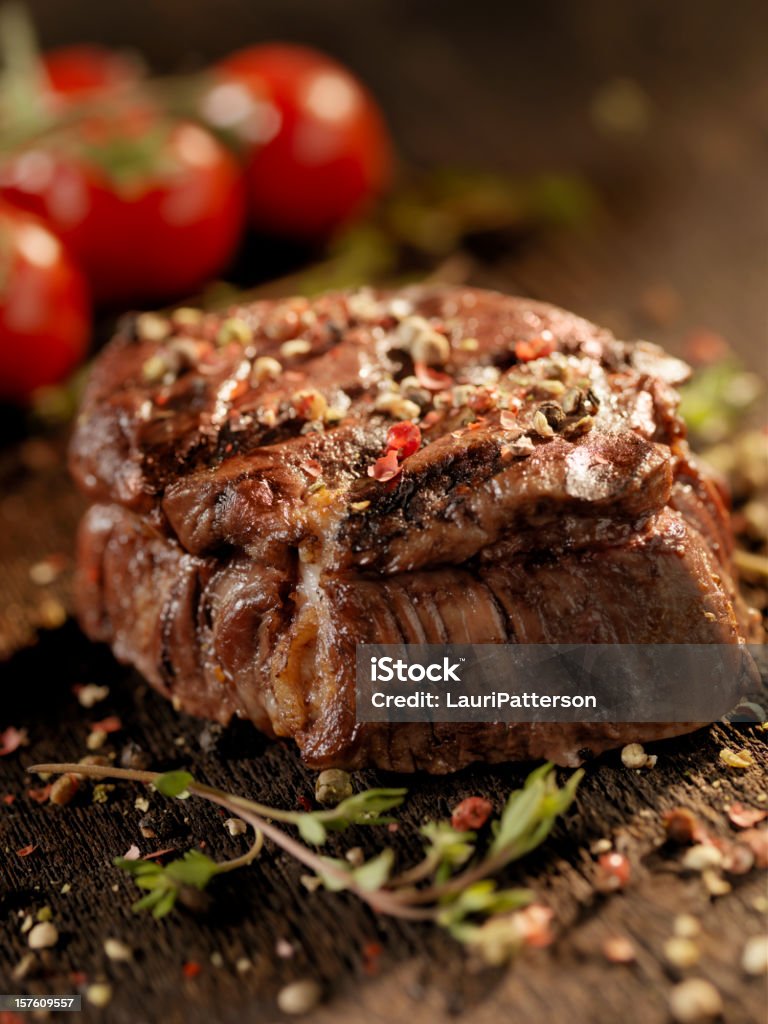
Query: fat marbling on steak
x=437, y=464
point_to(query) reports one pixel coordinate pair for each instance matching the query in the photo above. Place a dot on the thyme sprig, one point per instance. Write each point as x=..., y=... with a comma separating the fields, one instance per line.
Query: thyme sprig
x=453, y=885
x=166, y=883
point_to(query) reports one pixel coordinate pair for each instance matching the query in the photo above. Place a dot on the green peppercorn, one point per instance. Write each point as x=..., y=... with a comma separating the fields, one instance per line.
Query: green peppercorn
x=332, y=786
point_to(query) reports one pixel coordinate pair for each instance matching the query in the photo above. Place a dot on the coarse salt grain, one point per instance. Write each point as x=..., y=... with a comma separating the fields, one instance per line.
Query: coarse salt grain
x=701, y=857
x=618, y=950
x=91, y=694
x=152, y=327
x=681, y=952
x=43, y=936
x=754, y=959
x=43, y=573
x=299, y=997
x=686, y=926
x=714, y=882
x=117, y=950
x=633, y=755
x=693, y=1000
x=295, y=347
x=601, y=846
x=96, y=739
x=99, y=994
x=736, y=758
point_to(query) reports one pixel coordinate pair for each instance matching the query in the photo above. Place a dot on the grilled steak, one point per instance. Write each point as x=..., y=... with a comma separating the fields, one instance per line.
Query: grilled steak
x=433, y=465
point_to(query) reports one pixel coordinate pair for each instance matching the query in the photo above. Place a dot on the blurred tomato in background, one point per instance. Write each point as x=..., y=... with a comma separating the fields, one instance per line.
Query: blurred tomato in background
x=44, y=307
x=316, y=149
x=151, y=207
x=72, y=74
x=146, y=186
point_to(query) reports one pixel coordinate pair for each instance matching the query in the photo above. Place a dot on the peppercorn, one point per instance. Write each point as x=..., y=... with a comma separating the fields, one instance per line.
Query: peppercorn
x=333, y=786
x=63, y=789
x=133, y=756
x=472, y=813
x=553, y=413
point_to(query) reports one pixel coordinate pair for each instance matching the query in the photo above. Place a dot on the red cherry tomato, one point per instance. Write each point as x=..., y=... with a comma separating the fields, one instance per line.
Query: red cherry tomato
x=151, y=208
x=75, y=73
x=44, y=308
x=317, y=148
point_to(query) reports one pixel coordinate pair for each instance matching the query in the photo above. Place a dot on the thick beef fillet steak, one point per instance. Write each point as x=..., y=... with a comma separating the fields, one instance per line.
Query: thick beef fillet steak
x=434, y=465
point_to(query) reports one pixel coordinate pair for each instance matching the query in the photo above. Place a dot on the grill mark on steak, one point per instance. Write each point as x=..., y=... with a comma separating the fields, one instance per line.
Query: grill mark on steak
x=170, y=608
x=242, y=551
x=634, y=481
x=167, y=450
x=511, y=635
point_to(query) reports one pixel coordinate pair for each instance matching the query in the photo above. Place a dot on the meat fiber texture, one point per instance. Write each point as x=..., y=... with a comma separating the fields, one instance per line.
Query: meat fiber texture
x=436, y=465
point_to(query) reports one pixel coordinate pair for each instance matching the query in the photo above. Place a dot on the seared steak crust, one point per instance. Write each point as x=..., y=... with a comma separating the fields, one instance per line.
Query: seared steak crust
x=436, y=465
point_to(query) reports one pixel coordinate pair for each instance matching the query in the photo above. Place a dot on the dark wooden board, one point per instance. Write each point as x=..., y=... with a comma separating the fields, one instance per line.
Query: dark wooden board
x=684, y=207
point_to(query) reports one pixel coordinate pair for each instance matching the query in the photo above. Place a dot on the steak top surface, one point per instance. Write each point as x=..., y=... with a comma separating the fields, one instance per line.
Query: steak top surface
x=385, y=431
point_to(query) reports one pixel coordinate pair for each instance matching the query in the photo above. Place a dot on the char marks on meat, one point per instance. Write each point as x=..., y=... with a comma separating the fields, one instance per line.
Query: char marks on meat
x=274, y=487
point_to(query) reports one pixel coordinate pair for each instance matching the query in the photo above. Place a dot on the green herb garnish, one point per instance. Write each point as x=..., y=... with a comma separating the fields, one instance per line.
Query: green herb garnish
x=164, y=882
x=173, y=783
x=453, y=885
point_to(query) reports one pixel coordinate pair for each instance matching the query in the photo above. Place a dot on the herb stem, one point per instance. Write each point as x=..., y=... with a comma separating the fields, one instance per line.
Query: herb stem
x=526, y=821
x=476, y=873
x=246, y=859
x=95, y=771
x=380, y=900
x=417, y=873
x=234, y=803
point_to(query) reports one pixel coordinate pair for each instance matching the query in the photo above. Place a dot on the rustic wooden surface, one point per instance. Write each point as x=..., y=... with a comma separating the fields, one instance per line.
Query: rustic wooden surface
x=683, y=208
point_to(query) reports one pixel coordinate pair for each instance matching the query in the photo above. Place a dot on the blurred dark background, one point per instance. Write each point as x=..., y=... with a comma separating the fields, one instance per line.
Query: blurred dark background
x=663, y=106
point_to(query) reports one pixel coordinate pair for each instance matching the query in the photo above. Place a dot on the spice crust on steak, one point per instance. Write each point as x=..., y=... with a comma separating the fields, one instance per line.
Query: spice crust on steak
x=439, y=464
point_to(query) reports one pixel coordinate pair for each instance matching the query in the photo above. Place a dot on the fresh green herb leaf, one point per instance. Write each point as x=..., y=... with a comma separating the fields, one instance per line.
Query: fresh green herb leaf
x=311, y=829
x=530, y=812
x=337, y=879
x=485, y=897
x=483, y=917
x=364, y=808
x=194, y=869
x=717, y=398
x=173, y=783
x=447, y=848
x=149, y=901
x=368, y=877
x=375, y=872
x=137, y=867
x=165, y=904
x=444, y=839
x=163, y=882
